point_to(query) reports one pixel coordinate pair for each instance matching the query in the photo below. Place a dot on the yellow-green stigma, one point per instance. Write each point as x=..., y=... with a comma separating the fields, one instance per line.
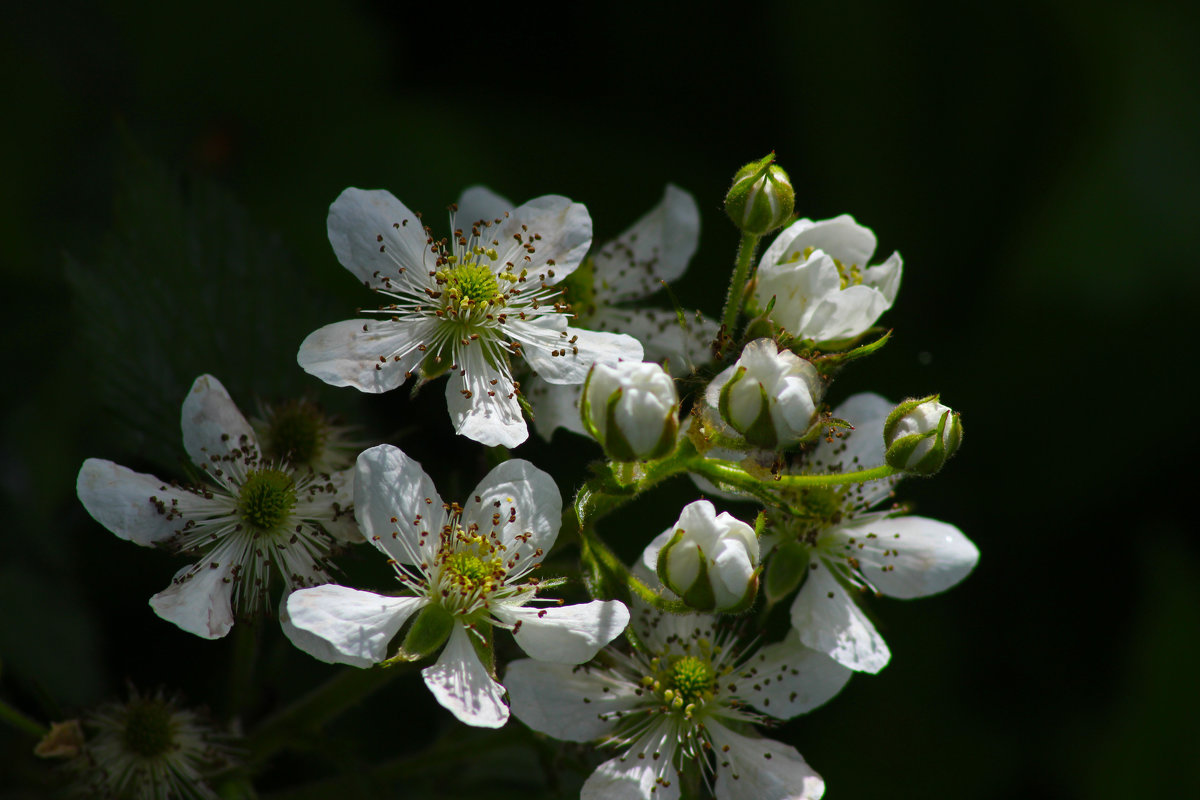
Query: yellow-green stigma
x=267, y=499
x=471, y=284
x=470, y=571
x=295, y=432
x=692, y=680
x=148, y=729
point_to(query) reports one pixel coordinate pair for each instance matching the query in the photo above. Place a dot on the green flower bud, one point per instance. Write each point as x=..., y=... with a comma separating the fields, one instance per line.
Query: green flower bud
x=632, y=409
x=920, y=434
x=710, y=560
x=761, y=198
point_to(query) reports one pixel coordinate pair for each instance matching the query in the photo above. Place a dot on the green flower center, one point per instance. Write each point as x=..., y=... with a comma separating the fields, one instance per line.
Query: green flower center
x=472, y=284
x=267, y=498
x=470, y=571
x=295, y=432
x=148, y=730
x=691, y=678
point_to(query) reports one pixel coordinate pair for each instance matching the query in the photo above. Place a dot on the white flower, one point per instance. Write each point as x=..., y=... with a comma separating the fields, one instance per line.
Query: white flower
x=817, y=272
x=149, y=749
x=463, y=305
x=633, y=409
x=769, y=395
x=853, y=548
x=654, y=250
x=256, y=523
x=469, y=565
x=708, y=559
x=682, y=702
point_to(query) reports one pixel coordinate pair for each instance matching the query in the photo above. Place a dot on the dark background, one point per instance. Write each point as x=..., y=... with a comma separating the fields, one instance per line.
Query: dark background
x=166, y=170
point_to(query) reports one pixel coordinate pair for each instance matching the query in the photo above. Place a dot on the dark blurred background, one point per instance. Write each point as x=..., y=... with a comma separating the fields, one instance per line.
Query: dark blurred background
x=166, y=173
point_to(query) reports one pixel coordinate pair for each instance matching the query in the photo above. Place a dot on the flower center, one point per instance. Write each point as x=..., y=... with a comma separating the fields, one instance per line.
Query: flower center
x=691, y=678
x=295, y=432
x=148, y=728
x=470, y=572
x=267, y=499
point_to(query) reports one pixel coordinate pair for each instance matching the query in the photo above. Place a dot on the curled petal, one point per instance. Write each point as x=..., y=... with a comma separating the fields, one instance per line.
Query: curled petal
x=373, y=234
x=120, y=500
x=568, y=634
x=339, y=625
x=910, y=557
x=393, y=498
x=374, y=360
x=520, y=503
x=462, y=685
x=829, y=621
x=212, y=424
x=198, y=600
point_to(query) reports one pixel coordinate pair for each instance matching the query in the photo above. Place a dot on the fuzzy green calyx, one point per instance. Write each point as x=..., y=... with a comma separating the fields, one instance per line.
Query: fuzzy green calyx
x=295, y=432
x=266, y=499
x=428, y=632
x=149, y=731
x=580, y=290
x=761, y=198
x=786, y=570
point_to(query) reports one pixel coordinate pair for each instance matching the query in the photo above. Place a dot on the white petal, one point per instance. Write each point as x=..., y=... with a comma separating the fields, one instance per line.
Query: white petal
x=339, y=625
x=761, y=769
x=859, y=449
x=828, y=620
x=567, y=634
x=462, y=685
x=357, y=221
x=909, y=556
x=527, y=501
x=886, y=277
x=569, y=703
x=478, y=203
x=787, y=678
x=343, y=354
x=840, y=237
x=388, y=485
x=656, y=248
x=212, y=424
x=564, y=228
x=844, y=314
x=574, y=361
x=554, y=406
x=628, y=777
x=661, y=335
x=483, y=411
x=198, y=601
x=345, y=527
x=119, y=499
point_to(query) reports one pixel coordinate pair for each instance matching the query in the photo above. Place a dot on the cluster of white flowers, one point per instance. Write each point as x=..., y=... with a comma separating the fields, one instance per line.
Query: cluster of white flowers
x=522, y=321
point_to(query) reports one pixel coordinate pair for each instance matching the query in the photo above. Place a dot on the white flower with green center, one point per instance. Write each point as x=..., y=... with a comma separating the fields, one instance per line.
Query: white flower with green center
x=300, y=433
x=466, y=569
x=255, y=524
x=463, y=306
x=687, y=700
x=654, y=250
x=149, y=749
x=843, y=549
x=823, y=289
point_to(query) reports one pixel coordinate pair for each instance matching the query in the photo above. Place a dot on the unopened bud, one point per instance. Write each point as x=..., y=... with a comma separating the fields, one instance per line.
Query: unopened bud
x=761, y=198
x=921, y=434
x=769, y=395
x=710, y=560
x=632, y=409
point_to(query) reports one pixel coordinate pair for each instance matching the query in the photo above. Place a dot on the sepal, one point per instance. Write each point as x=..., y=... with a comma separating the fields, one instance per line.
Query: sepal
x=761, y=198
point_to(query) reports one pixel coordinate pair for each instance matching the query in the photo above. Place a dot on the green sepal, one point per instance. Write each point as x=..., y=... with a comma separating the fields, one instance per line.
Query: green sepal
x=585, y=409
x=901, y=411
x=616, y=445
x=785, y=570
x=434, y=365
x=660, y=566
x=428, y=632
x=484, y=648
x=750, y=208
x=747, y=598
x=666, y=442
x=829, y=363
x=700, y=594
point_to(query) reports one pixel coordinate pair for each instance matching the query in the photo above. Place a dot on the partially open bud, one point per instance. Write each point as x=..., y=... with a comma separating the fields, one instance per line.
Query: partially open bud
x=921, y=434
x=761, y=198
x=710, y=560
x=632, y=409
x=769, y=396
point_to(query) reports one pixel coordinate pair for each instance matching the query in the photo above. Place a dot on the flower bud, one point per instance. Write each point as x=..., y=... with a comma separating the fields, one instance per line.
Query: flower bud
x=632, y=409
x=921, y=434
x=761, y=198
x=710, y=560
x=769, y=395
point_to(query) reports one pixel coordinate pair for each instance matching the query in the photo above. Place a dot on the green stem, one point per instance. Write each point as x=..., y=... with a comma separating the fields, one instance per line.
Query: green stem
x=316, y=708
x=737, y=286
x=21, y=722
